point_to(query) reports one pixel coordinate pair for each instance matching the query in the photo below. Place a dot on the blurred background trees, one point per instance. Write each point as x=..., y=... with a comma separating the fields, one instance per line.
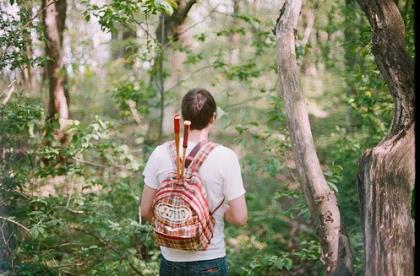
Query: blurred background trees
x=70, y=206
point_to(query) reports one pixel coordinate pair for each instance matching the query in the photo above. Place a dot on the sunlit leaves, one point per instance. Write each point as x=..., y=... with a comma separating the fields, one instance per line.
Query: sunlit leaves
x=333, y=176
x=15, y=39
x=93, y=221
x=193, y=58
x=268, y=263
x=126, y=12
x=140, y=93
x=165, y=6
x=252, y=20
x=243, y=72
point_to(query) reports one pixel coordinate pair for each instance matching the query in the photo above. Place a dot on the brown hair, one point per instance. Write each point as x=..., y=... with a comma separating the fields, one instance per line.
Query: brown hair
x=198, y=106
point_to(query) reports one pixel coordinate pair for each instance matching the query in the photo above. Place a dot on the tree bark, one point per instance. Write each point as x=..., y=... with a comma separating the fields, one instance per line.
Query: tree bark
x=321, y=199
x=54, y=16
x=386, y=172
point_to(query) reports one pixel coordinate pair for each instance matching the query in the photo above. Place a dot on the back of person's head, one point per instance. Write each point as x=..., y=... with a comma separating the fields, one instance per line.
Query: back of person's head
x=198, y=106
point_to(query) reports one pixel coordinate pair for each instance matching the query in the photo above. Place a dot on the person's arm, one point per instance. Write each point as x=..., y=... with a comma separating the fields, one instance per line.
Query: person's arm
x=236, y=212
x=151, y=184
x=147, y=197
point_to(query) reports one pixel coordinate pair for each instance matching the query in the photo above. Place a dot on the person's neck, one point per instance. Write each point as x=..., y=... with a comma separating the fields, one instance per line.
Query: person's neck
x=196, y=135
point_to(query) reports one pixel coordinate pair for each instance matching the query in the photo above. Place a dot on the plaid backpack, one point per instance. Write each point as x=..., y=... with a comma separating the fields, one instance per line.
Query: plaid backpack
x=182, y=218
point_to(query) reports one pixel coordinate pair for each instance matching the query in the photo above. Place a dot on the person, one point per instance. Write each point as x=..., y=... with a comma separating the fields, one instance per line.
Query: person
x=221, y=176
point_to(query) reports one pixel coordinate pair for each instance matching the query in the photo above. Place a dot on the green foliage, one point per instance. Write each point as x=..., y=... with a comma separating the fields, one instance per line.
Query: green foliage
x=80, y=200
x=408, y=17
x=263, y=265
x=91, y=226
x=140, y=93
x=243, y=72
x=15, y=39
x=126, y=12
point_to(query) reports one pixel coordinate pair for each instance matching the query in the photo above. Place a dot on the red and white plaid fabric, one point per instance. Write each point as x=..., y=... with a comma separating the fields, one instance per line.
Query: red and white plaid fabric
x=182, y=218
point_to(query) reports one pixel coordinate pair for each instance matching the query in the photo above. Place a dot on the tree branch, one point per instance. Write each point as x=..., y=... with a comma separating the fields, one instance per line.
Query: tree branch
x=17, y=223
x=109, y=245
x=10, y=89
x=186, y=9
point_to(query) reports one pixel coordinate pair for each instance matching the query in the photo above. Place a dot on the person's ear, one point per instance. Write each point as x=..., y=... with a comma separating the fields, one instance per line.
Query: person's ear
x=213, y=118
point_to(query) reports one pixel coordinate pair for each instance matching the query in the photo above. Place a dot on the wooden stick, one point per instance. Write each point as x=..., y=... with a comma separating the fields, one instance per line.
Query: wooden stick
x=185, y=144
x=177, y=118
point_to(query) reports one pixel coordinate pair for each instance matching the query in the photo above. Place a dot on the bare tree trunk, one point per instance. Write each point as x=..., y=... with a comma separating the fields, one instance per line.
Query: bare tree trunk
x=309, y=23
x=170, y=27
x=183, y=37
x=54, y=20
x=234, y=38
x=350, y=59
x=27, y=71
x=386, y=172
x=321, y=199
x=309, y=19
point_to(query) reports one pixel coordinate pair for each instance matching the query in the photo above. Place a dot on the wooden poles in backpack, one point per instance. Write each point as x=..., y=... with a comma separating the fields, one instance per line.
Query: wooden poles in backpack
x=177, y=118
x=185, y=144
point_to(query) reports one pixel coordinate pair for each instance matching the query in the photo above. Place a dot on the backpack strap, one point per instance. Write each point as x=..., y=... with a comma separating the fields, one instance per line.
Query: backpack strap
x=218, y=206
x=200, y=152
x=202, y=155
x=191, y=155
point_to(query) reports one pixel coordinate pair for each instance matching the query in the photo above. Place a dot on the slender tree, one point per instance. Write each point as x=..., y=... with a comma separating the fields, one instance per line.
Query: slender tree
x=320, y=197
x=54, y=16
x=27, y=71
x=386, y=172
x=349, y=34
x=169, y=29
x=235, y=37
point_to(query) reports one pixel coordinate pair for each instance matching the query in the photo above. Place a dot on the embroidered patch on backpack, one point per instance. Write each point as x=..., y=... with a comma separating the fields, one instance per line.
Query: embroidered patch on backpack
x=172, y=214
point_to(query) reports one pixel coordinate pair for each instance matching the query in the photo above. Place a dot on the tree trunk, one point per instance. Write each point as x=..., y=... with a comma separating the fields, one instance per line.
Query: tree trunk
x=309, y=19
x=235, y=37
x=351, y=60
x=169, y=27
x=386, y=172
x=54, y=19
x=321, y=199
x=27, y=71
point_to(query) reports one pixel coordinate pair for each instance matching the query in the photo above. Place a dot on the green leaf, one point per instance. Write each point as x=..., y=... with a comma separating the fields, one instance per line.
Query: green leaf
x=164, y=6
x=172, y=3
x=333, y=186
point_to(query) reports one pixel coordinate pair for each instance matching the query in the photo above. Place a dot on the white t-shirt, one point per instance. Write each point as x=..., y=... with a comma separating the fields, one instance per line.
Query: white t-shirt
x=221, y=176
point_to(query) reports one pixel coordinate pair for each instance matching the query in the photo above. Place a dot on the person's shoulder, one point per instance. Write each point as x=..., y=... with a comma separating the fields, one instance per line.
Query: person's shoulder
x=163, y=146
x=224, y=151
x=161, y=149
